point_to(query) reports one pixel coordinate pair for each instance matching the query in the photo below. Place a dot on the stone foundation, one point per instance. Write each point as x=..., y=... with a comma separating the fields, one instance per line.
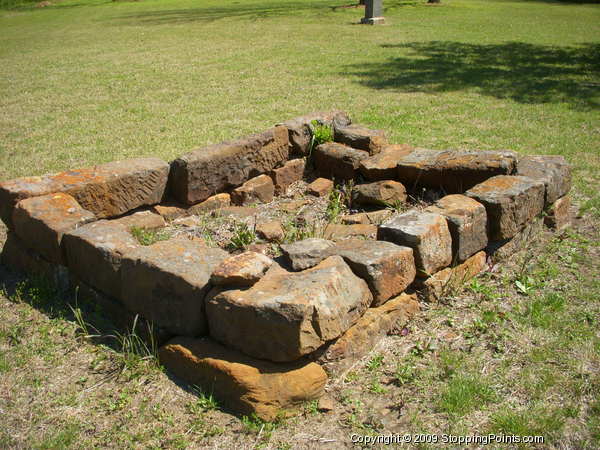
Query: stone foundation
x=263, y=319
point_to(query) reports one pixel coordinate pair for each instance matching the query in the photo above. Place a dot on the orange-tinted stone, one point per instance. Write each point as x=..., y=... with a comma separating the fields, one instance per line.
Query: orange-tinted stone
x=383, y=165
x=357, y=136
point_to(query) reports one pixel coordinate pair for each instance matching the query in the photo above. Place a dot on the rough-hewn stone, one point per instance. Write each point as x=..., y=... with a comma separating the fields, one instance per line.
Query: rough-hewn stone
x=553, y=170
x=172, y=211
x=300, y=128
x=387, y=268
x=426, y=233
x=142, y=219
x=306, y=253
x=383, y=165
x=107, y=190
x=373, y=217
x=452, y=279
x=453, y=171
x=510, y=202
x=333, y=160
x=17, y=256
x=94, y=253
x=198, y=175
x=379, y=193
x=271, y=231
x=285, y=316
x=522, y=240
x=320, y=187
x=41, y=222
x=243, y=385
x=362, y=337
x=337, y=232
x=285, y=176
x=166, y=283
x=235, y=211
x=558, y=215
x=258, y=189
x=241, y=270
x=467, y=221
x=357, y=136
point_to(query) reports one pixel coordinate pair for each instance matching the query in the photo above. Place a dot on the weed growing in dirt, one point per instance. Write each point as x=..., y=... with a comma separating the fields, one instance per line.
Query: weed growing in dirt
x=146, y=236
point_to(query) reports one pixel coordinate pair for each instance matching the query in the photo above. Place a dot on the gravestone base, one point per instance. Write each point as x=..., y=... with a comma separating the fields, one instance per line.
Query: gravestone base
x=373, y=20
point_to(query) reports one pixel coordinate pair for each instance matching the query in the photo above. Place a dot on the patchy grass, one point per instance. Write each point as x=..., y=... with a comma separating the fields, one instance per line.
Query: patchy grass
x=517, y=352
x=146, y=236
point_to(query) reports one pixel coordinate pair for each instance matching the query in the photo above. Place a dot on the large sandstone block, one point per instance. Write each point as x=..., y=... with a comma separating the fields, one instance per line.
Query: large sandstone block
x=379, y=193
x=510, y=202
x=558, y=215
x=242, y=384
x=453, y=171
x=387, y=268
x=257, y=189
x=364, y=335
x=300, y=129
x=333, y=160
x=221, y=167
x=452, y=279
x=18, y=257
x=94, y=254
x=42, y=221
x=284, y=177
x=287, y=315
x=426, y=233
x=306, y=253
x=357, y=136
x=553, y=170
x=171, y=211
x=467, y=221
x=166, y=283
x=107, y=190
x=383, y=165
x=337, y=232
x=241, y=270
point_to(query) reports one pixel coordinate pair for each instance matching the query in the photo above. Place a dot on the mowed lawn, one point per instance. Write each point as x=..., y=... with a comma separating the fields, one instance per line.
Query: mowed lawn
x=84, y=82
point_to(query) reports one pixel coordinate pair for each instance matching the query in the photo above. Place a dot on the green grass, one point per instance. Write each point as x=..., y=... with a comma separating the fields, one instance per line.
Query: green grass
x=84, y=82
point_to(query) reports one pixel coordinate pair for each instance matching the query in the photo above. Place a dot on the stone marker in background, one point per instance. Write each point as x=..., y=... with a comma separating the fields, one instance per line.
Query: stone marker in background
x=373, y=11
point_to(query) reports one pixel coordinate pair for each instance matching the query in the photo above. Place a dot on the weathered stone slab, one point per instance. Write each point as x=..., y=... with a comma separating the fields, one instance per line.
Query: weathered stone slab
x=553, y=170
x=172, y=211
x=452, y=279
x=285, y=316
x=107, y=190
x=379, y=193
x=241, y=270
x=271, y=231
x=558, y=215
x=285, y=176
x=166, y=283
x=333, y=160
x=467, y=221
x=426, y=233
x=198, y=175
x=357, y=136
x=510, y=202
x=306, y=253
x=243, y=385
x=94, y=253
x=453, y=171
x=300, y=128
x=142, y=219
x=506, y=248
x=41, y=221
x=383, y=165
x=387, y=268
x=372, y=217
x=320, y=187
x=235, y=211
x=18, y=257
x=258, y=189
x=362, y=337
x=337, y=232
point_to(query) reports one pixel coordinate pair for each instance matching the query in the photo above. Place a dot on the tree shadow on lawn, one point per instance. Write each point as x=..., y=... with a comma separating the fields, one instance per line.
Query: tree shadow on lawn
x=525, y=73
x=249, y=11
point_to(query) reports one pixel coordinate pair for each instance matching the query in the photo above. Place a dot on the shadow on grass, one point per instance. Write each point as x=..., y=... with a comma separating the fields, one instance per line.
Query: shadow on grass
x=525, y=73
x=248, y=11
